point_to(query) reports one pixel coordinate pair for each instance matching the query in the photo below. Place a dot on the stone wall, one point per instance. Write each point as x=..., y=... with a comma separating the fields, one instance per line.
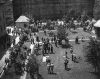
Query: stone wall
x=51, y=8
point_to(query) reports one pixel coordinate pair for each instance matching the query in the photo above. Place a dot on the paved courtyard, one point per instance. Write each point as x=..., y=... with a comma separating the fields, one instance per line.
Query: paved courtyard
x=81, y=70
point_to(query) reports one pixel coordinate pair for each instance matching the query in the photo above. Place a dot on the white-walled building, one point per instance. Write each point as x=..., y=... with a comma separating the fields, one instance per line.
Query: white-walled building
x=22, y=21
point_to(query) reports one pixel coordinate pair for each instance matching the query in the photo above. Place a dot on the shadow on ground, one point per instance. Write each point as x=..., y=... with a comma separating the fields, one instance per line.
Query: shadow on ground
x=68, y=69
x=96, y=74
x=2, y=53
x=66, y=46
x=40, y=76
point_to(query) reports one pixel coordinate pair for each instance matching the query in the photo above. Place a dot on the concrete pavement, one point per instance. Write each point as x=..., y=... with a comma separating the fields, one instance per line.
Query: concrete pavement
x=59, y=66
x=81, y=70
x=2, y=61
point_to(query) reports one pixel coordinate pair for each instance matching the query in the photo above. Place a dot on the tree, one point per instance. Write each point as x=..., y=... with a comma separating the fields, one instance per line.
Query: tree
x=92, y=51
x=61, y=32
x=84, y=16
x=33, y=65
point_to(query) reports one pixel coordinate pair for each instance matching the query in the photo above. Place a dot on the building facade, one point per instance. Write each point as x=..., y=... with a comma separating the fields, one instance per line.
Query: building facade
x=9, y=13
x=2, y=20
x=4, y=38
x=96, y=11
x=50, y=9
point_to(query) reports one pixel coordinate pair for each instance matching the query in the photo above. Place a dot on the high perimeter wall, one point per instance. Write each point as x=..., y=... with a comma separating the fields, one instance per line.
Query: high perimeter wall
x=50, y=9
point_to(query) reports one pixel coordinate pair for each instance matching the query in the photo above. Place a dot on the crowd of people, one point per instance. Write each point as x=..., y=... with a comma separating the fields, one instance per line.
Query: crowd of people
x=18, y=55
x=47, y=47
x=18, y=52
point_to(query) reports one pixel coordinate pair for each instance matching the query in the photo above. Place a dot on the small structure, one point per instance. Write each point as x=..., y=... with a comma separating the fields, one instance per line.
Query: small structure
x=22, y=21
x=97, y=28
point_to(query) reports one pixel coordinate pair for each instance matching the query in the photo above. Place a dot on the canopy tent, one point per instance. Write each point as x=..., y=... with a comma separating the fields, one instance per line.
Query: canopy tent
x=22, y=21
x=97, y=24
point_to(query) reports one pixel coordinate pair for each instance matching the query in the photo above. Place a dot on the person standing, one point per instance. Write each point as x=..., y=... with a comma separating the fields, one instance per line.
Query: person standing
x=66, y=54
x=77, y=40
x=48, y=68
x=82, y=38
x=72, y=57
x=52, y=40
x=45, y=32
x=56, y=43
x=44, y=47
x=7, y=60
x=32, y=40
x=42, y=39
x=13, y=41
x=43, y=52
x=48, y=61
x=23, y=66
x=51, y=49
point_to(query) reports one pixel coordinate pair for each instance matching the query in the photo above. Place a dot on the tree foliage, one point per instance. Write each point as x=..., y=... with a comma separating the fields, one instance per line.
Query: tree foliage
x=33, y=65
x=33, y=61
x=92, y=51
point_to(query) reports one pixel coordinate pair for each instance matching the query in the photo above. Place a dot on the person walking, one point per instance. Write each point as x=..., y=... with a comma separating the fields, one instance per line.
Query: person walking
x=74, y=59
x=51, y=68
x=66, y=63
x=71, y=50
x=48, y=68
